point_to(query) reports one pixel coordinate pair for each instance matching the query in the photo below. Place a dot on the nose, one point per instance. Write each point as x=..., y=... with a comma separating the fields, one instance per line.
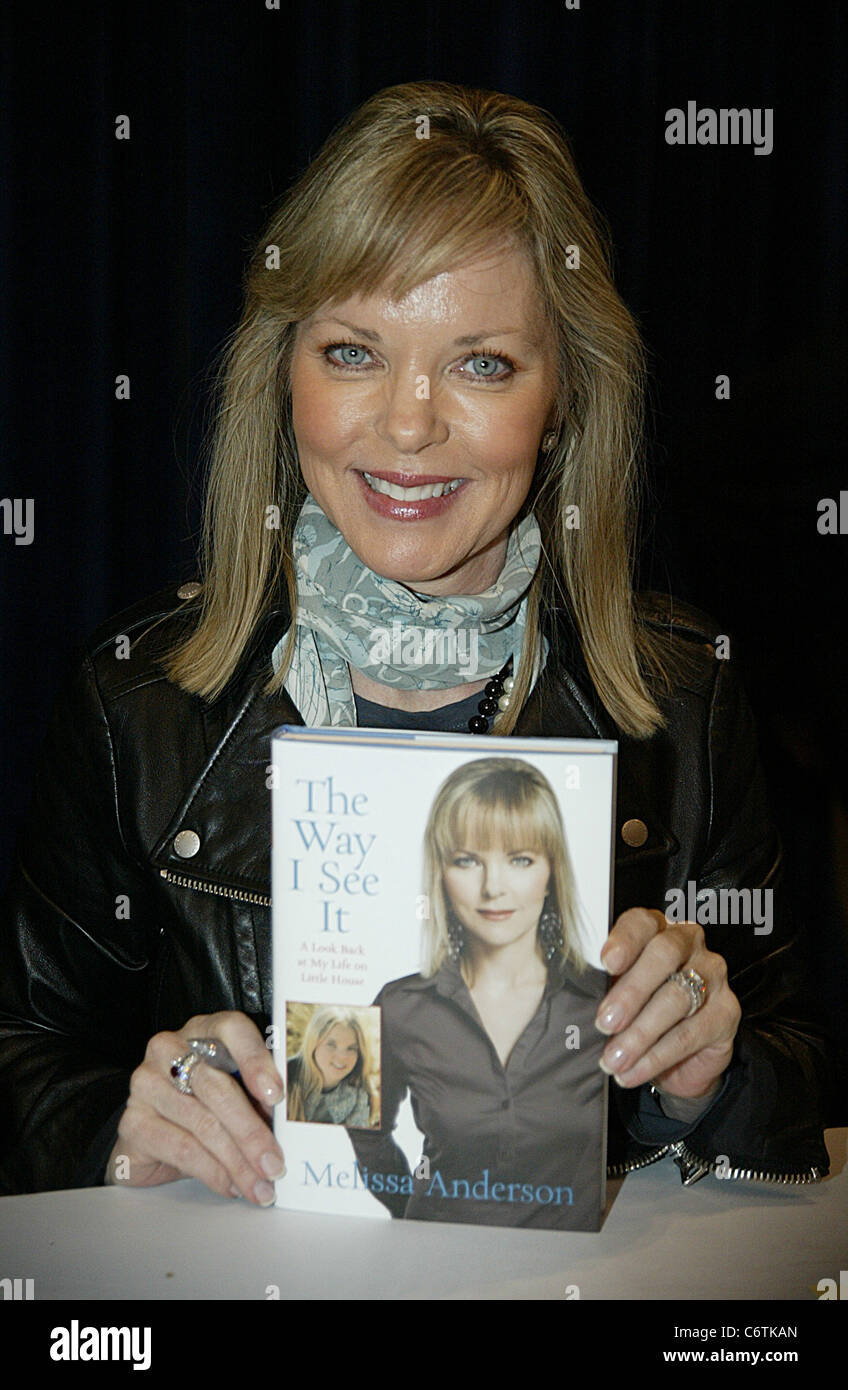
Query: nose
x=492, y=886
x=409, y=419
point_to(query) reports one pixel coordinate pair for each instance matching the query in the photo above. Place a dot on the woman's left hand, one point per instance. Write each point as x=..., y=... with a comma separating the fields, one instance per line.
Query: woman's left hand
x=654, y=1040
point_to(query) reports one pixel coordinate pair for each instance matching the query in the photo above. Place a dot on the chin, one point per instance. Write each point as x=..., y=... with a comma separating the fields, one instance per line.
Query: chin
x=402, y=567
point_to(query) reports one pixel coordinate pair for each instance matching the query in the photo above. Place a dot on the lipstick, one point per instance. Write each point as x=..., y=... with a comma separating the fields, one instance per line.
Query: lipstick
x=409, y=496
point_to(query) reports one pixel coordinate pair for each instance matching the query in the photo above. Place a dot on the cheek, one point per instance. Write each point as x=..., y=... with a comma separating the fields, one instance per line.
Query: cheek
x=323, y=415
x=510, y=436
x=532, y=887
x=458, y=887
x=313, y=427
x=541, y=884
x=510, y=463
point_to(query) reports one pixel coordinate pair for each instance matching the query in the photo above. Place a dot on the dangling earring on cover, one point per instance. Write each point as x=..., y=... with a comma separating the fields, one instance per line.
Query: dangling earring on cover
x=456, y=936
x=550, y=932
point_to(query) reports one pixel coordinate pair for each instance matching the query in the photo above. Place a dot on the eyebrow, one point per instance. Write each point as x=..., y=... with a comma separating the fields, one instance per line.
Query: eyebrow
x=467, y=339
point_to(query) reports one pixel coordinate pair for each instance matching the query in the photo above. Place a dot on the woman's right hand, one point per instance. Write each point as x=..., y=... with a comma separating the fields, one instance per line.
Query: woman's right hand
x=219, y=1133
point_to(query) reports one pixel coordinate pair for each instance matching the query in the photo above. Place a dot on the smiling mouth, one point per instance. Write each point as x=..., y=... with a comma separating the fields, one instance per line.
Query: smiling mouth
x=493, y=916
x=418, y=492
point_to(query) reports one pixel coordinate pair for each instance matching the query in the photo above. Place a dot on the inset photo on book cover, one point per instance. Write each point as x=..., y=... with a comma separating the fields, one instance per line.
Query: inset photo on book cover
x=333, y=1065
x=472, y=926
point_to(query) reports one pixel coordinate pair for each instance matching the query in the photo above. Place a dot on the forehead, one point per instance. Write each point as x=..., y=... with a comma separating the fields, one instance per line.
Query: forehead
x=341, y=1034
x=494, y=292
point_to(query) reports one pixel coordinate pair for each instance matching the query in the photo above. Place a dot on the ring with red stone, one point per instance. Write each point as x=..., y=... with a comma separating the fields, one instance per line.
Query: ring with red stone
x=181, y=1069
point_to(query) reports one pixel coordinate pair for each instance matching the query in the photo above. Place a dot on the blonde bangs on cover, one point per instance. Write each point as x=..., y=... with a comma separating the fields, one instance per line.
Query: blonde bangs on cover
x=504, y=821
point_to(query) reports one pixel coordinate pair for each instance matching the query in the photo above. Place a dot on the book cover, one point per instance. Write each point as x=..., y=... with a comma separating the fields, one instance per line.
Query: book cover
x=440, y=902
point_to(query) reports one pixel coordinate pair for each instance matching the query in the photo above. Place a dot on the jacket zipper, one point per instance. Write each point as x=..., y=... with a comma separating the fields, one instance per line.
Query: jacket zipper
x=618, y=1170
x=202, y=885
x=692, y=1168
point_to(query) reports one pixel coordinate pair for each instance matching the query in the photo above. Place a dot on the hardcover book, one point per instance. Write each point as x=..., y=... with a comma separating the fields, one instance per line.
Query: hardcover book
x=440, y=902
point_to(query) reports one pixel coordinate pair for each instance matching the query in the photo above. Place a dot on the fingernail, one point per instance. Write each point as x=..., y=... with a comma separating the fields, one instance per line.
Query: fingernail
x=608, y=1019
x=234, y=1192
x=614, y=1061
x=613, y=959
x=270, y=1088
x=264, y=1194
x=273, y=1165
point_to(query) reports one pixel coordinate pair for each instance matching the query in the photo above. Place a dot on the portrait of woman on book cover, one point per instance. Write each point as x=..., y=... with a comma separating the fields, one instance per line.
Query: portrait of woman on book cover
x=331, y=1075
x=494, y=1038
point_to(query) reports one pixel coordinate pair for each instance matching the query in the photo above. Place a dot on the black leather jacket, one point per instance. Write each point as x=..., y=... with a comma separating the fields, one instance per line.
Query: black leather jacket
x=109, y=935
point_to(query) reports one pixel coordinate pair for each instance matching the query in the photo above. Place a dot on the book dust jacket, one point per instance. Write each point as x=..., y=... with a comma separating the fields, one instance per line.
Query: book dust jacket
x=439, y=907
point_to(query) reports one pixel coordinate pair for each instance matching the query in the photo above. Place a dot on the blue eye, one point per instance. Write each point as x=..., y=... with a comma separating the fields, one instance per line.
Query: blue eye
x=488, y=366
x=350, y=355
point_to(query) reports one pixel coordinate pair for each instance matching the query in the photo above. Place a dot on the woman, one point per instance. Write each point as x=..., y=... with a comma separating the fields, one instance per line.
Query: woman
x=516, y=1142
x=429, y=312
x=329, y=1077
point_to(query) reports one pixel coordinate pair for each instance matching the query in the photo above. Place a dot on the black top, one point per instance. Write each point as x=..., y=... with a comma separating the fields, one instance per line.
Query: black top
x=446, y=719
x=519, y=1144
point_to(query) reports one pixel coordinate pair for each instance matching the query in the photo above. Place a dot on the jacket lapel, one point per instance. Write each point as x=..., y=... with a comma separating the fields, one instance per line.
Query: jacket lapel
x=228, y=807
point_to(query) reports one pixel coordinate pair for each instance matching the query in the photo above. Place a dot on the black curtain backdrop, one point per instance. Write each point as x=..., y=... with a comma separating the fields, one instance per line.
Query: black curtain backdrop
x=126, y=256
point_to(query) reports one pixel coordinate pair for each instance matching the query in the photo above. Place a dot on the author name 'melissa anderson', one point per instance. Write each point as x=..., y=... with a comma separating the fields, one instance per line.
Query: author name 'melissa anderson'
x=480, y=1189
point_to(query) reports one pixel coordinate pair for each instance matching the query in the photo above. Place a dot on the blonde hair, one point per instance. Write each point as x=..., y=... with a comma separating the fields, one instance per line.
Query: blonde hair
x=379, y=209
x=491, y=803
x=308, y=1080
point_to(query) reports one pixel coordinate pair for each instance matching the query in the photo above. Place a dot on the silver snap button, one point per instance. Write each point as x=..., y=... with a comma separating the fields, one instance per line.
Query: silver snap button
x=190, y=590
x=186, y=843
x=634, y=833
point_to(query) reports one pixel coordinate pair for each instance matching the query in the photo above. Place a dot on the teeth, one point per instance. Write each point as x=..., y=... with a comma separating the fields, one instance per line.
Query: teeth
x=411, y=494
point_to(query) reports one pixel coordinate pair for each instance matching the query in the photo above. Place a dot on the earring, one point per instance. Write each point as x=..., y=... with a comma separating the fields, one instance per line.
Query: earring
x=456, y=936
x=550, y=933
x=549, y=439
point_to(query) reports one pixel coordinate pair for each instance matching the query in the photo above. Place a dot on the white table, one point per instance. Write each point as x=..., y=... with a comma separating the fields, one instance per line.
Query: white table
x=715, y=1240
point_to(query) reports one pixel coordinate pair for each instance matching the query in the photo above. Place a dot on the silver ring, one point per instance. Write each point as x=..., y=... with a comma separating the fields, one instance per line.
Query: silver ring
x=213, y=1052
x=695, y=986
x=181, y=1069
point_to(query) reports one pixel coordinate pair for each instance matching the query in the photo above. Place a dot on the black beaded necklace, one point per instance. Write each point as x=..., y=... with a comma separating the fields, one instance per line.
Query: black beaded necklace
x=496, y=696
